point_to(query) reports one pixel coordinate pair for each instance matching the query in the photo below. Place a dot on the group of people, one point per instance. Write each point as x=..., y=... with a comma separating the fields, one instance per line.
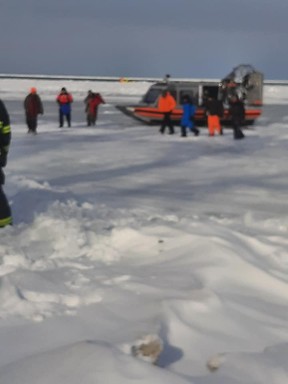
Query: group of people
x=213, y=109
x=34, y=107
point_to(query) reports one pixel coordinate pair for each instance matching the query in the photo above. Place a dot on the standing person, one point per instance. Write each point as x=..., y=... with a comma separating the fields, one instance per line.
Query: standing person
x=214, y=110
x=187, y=120
x=33, y=107
x=166, y=78
x=237, y=113
x=92, y=102
x=5, y=138
x=64, y=100
x=166, y=104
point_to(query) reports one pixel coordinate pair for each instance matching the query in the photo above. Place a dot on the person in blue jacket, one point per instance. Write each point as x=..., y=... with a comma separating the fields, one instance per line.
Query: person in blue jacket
x=187, y=120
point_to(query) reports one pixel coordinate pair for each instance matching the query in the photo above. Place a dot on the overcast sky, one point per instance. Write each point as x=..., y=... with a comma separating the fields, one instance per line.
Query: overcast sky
x=185, y=38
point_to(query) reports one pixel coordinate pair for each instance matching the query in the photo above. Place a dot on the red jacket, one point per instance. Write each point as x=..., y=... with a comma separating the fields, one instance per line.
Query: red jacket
x=64, y=98
x=93, y=102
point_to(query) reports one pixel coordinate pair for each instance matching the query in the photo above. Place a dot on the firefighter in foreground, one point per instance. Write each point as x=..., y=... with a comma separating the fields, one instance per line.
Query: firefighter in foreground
x=5, y=137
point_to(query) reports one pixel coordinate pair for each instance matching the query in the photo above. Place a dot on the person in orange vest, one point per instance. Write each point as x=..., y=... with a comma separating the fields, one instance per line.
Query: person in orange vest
x=64, y=100
x=166, y=104
x=214, y=111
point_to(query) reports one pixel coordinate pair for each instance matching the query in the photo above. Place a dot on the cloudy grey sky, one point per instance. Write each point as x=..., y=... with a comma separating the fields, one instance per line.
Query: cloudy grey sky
x=186, y=38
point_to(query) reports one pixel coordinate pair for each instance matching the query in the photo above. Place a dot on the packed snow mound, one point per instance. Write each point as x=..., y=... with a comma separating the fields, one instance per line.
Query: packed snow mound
x=268, y=367
x=86, y=363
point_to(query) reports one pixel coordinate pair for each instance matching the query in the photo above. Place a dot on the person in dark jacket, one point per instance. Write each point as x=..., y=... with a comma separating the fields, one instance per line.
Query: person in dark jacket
x=237, y=113
x=187, y=120
x=33, y=107
x=92, y=102
x=214, y=111
x=64, y=100
x=5, y=138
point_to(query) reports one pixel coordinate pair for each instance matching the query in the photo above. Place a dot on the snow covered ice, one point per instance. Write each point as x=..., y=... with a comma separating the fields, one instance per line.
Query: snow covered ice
x=122, y=235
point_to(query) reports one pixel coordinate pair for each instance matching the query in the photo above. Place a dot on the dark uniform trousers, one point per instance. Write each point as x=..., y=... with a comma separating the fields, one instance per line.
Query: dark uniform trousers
x=5, y=211
x=5, y=138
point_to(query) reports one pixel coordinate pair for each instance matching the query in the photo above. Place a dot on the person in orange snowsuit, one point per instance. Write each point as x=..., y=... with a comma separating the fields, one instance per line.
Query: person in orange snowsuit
x=166, y=104
x=214, y=111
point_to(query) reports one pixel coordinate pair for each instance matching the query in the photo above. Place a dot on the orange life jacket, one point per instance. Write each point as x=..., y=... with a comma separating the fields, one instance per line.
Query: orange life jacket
x=64, y=98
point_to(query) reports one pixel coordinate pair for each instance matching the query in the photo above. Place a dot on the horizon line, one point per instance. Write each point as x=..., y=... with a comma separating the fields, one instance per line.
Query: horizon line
x=119, y=78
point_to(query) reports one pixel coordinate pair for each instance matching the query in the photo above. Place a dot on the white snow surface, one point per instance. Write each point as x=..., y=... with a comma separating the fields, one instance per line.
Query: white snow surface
x=120, y=234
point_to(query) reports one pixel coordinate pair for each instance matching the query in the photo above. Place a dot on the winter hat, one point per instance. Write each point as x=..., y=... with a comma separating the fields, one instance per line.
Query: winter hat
x=33, y=90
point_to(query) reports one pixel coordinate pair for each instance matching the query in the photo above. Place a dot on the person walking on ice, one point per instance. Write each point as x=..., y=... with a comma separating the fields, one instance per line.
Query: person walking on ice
x=214, y=111
x=33, y=107
x=92, y=102
x=64, y=100
x=187, y=120
x=166, y=104
x=237, y=113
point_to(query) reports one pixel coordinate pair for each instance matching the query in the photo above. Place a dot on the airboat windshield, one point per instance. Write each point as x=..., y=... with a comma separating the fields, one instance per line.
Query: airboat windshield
x=152, y=95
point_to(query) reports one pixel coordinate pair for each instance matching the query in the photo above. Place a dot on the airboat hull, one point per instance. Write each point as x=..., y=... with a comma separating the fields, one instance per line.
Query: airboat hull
x=152, y=115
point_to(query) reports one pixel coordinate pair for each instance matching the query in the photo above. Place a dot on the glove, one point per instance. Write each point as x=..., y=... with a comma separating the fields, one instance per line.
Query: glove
x=2, y=177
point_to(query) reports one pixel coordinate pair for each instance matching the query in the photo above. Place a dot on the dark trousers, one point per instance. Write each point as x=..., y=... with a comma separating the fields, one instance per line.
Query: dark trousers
x=184, y=131
x=61, y=118
x=237, y=131
x=5, y=210
x=91, y=118
x=31, y=123
x=167, y=122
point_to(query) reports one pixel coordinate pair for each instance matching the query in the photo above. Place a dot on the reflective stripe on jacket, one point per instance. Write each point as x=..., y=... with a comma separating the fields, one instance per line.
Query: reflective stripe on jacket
x=6, y=221
x=5, y=134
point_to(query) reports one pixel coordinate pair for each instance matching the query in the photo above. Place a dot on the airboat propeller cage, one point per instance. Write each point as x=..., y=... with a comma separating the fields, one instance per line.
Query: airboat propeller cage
x=249, y=83
x=244, y=81
x=240, y=72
